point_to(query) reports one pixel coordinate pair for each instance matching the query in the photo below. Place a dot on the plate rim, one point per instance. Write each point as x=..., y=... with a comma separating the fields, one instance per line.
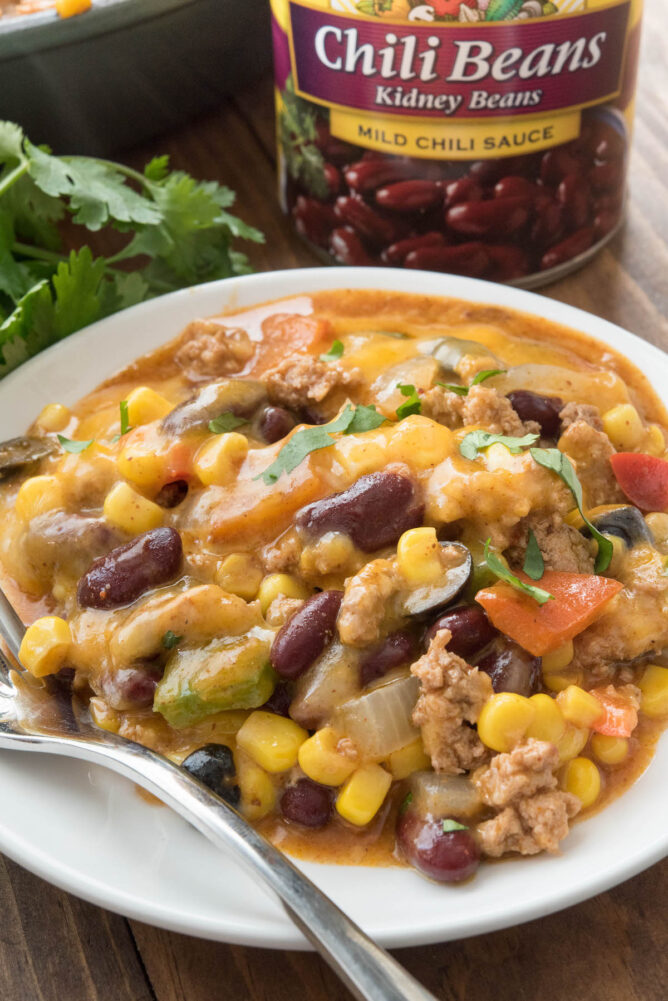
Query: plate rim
x=261, y=288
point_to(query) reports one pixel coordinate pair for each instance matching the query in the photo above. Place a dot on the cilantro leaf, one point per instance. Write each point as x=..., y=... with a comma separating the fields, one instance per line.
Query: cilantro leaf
x=11, y=141
x=476, y=441
x=480, y=377
x=453, y=825
x=454, y=388
x=405, y=803
x=157, y=168
x=557, y=462
x=411, y=405
x=303, y=442
x=77, y=285
x=170, y=640
x=334, y=352
x=534, y=566
x=27, y=329
x=75, y=447
x=297, y=131
x=364, y=419
x=226, y=422
x=504, y=574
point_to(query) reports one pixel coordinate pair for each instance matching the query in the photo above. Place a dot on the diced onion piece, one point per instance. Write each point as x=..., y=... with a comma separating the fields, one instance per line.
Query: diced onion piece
x=380, y=721
x=441, y=796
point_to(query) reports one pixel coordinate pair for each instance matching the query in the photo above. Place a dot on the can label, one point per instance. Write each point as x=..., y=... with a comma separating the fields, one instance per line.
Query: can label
x=456, y=82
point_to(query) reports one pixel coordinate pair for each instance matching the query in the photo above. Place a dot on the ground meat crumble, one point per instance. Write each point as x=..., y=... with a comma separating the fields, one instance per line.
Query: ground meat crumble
x=562, y=547
x=364, y=602
x=482, y=406
x=452, y=694
x=590, y=450
x=533, y=814
x=303, y=379
x=208, y=349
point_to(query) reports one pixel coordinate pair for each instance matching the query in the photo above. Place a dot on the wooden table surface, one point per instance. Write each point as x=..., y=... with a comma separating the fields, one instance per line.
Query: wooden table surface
x=614, y=947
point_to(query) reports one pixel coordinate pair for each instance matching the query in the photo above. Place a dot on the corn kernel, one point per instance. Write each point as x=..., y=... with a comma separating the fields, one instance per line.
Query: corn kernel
x=258, y=792
x=558, y=682
x=37, y=495
x=548, y=723
x=582, y=778
x=655, y=441
x=239, y=574
x=272, y=741
x=45, y=645
x=654, y=688
x=418, y=556
x=54, y=417
x=610, y=750
x=558, y=659
x=143, y=467
x=504, y=720
x=362, y=795
x=104, y=716
x=219, y=458
x=579, y=707
x=408, y=759
x=129, y=511
x=145, y=405
x=321, y=759
x=419, y=442
x=574, y=519
x=67, y=8
x=275, y=584
x=333, y=553
x=658, y=525
x=624, y=427
x=572, y=742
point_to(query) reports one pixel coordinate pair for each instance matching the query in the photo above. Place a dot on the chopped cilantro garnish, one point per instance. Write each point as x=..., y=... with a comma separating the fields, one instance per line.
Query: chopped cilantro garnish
x=226, y=422
x=334, y=352
x=476, y=441
x=453, y=825
x=557, y=462
x=125, y=423
x=170, y=640
x=411, y=405
x=75, y=447
x=480, y=377
x=352, y=420
x=504, y=574
x=534, y=566
x=405, y=803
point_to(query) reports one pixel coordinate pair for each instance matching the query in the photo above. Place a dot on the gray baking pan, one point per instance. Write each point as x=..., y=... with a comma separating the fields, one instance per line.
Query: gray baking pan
x=127, y=70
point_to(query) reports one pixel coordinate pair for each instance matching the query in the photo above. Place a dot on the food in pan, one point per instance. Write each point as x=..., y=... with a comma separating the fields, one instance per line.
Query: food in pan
x=387, y=572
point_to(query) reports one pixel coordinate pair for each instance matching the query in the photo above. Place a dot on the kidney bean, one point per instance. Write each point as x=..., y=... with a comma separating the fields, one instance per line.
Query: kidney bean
x=446, y=856
x=409, y=196
x=470, y=630
x=307, y=803
x=463, y=189
x=575, y=244
x=605, y=221
x=275, y=423
x=367, y=175
x=355, y=212
x=313, y=220
x=542, y=409
x=486, y=172
x=615, y=200
x=305, y=635
x=335, y=150
x=347, y=248
x=609, y=144
x=496, y=216
x=556, y=164
x=151, y=559
x=549, y=224
x=396, y=649
x=511, y=668
x=332, y=177
x=130, y=687
x=464, y=259
x=374, y=512
x=397, y=253
x=606, y=176
x=508, y=261
x=574, y=194
x=509, y=187
x=172, y=494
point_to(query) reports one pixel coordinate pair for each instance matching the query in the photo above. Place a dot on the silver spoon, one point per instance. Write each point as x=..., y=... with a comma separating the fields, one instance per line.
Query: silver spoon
x=369, y=972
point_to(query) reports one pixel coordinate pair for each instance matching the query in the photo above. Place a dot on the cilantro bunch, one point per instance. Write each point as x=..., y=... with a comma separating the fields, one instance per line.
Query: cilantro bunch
x=297, y=134
x=172, y=231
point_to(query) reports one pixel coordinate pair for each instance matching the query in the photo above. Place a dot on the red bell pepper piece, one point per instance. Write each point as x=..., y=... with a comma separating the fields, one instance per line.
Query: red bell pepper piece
x=643, y=478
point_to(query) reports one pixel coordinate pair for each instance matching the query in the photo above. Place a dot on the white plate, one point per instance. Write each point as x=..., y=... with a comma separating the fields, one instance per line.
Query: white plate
x=88, y=831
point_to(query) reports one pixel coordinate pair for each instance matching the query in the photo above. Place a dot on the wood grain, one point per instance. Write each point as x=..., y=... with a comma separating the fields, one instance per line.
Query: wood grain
x=614, y=947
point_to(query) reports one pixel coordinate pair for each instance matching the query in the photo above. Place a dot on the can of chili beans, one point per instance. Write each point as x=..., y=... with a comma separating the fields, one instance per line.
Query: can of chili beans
x=487, y=138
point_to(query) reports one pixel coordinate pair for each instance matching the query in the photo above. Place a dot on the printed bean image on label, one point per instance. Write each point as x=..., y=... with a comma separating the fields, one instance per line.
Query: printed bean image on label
x=478, y=137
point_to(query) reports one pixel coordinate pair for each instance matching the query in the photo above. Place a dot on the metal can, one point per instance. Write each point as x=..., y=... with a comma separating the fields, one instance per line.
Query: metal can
x=487, y=138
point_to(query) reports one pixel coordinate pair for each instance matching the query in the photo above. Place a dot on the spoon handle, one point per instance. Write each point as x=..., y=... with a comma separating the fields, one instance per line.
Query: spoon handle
x=369, y=971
